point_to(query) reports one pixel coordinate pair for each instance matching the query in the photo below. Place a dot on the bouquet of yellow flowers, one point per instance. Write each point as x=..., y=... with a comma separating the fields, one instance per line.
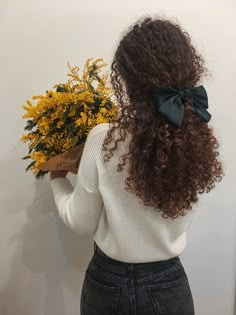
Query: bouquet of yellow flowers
x=59, y=122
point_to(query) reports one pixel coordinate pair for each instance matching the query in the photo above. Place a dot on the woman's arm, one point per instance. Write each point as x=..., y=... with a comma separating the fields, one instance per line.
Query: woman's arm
x=80, y=207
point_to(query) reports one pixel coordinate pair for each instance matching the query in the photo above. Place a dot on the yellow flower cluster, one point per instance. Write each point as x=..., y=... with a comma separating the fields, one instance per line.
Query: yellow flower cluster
x=39, y=158
x=62, y=118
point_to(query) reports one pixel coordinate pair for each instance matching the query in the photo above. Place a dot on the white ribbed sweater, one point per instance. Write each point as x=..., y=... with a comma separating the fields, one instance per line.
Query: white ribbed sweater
x=121, y=225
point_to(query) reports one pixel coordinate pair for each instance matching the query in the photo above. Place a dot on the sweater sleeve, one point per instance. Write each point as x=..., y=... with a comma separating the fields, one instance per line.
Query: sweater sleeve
x=80, y=207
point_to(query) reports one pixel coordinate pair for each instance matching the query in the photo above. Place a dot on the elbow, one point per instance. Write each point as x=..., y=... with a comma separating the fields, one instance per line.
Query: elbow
x=78, y=228
x=78, y=223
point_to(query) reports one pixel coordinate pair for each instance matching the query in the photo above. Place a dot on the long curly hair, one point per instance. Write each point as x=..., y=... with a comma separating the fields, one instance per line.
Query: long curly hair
x=168, y=166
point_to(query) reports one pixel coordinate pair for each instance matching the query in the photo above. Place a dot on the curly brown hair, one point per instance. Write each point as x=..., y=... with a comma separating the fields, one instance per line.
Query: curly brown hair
x=168, y=166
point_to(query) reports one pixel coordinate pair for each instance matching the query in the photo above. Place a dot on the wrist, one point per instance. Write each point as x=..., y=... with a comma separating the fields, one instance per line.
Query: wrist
x=58, y=174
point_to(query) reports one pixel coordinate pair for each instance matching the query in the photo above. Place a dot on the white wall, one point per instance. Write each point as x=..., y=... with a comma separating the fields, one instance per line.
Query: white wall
x=42, y=263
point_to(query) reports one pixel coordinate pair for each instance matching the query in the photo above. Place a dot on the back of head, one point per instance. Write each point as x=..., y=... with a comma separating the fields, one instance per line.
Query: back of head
x=169, y=166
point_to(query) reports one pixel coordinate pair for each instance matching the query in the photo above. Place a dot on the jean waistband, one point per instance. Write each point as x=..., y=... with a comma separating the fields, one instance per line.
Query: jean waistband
x=161, y=262
x=143, y=271
x=99, y=251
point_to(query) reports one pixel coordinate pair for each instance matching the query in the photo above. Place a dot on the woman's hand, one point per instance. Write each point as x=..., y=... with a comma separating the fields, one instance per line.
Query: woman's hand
x=74, y=171
x=58, y=174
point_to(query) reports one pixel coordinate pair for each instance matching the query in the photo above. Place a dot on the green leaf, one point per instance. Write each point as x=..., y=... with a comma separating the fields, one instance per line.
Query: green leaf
x=96, y=105
x=40, y=174
x=30, y=124
x=40, y=147
x=71, y=127
x=45, y=113
x=61, y=88
x=29, y=166
x=66, y=113
x=74, y=141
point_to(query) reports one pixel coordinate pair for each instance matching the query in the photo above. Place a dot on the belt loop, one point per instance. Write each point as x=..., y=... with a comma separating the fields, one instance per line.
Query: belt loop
x=131, y=274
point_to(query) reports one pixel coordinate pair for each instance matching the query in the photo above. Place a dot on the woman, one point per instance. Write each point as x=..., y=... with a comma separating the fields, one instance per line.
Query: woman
x=140, y=176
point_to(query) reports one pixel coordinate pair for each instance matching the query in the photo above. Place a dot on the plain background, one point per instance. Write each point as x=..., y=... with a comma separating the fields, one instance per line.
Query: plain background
x=42, y=262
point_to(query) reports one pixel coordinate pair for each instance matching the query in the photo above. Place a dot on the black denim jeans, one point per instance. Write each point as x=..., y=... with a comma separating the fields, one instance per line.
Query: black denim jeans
x=113, y=287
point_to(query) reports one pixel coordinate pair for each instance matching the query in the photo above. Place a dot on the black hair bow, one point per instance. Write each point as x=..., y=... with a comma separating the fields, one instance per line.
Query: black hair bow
x=170, y=103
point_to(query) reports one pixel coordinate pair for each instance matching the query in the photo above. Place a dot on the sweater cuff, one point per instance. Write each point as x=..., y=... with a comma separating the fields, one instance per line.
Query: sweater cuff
x=61, y=185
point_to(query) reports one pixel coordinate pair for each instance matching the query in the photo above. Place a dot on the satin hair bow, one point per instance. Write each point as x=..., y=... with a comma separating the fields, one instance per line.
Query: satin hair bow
x=170, y=103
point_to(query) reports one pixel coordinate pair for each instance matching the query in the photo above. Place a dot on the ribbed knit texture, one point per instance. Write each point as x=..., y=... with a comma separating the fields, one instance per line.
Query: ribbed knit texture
x=121, y=225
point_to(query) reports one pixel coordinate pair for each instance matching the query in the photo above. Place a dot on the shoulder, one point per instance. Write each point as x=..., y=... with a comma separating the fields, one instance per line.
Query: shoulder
x=99, y=130
x=97, y=134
